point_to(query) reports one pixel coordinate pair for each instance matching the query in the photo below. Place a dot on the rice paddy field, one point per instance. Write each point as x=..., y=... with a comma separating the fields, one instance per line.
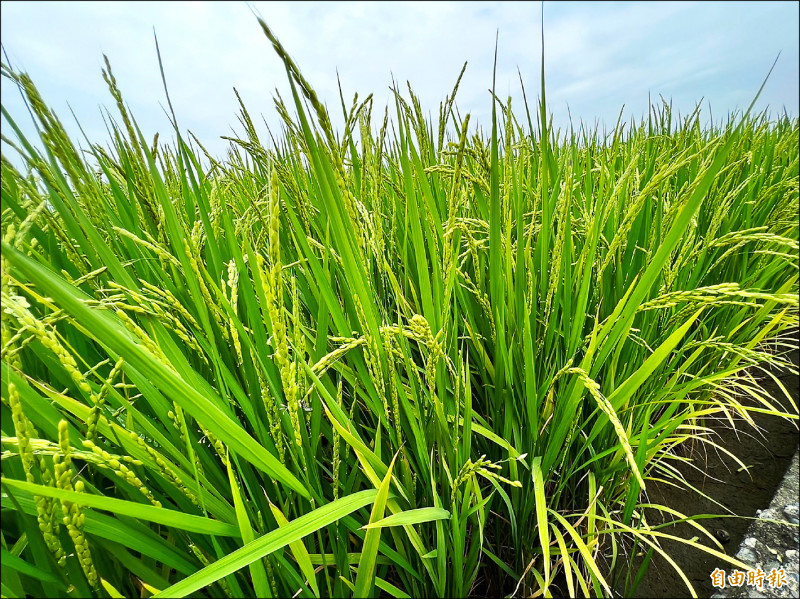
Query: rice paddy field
x=398, y=360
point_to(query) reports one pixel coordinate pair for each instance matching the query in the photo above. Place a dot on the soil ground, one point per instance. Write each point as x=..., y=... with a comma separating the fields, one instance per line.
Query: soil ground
x=768, y=454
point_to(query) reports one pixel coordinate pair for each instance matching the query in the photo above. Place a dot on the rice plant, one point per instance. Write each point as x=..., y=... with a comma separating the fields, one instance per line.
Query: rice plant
x=399, y=359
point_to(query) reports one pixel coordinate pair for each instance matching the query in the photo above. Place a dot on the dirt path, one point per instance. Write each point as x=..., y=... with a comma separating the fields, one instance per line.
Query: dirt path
x=768, y=457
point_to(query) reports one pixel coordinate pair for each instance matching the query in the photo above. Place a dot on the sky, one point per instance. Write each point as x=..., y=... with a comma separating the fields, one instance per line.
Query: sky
x=599, y=57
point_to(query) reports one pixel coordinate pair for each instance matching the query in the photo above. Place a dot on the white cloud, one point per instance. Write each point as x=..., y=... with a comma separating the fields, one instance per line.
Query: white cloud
x=599, y=56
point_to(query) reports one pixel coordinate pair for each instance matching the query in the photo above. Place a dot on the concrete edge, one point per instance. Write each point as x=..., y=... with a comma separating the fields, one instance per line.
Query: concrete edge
x=771, y=542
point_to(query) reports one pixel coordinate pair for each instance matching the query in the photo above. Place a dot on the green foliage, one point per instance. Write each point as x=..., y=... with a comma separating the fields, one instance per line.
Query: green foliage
x=418, y=363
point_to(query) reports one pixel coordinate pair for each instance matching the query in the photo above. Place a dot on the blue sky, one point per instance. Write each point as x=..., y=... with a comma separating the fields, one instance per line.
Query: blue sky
x=599, y=57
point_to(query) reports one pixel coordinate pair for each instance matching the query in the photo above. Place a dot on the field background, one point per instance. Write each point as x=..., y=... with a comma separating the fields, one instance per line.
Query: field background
x=404, y=360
